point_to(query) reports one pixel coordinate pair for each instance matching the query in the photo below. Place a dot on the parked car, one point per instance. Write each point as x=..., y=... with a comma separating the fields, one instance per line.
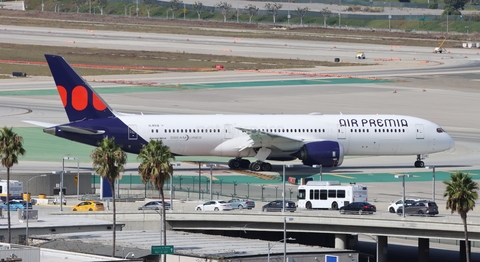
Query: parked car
x=358, y=207
x=420, y=208
x=393, y=207
x=154, y=205
x=242, y=203
x=24, y=203
x=214, y=205
x=15, y=205
x=277, y=206
x=88, y=206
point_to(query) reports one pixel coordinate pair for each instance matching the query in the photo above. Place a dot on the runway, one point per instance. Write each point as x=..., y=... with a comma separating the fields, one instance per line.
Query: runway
x=451, y=105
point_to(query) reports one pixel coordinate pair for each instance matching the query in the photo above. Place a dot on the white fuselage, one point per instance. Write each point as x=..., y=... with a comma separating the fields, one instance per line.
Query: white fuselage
x=224, y=135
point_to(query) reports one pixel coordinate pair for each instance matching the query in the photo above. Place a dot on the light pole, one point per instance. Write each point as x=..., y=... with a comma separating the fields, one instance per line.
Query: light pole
x=288, y=15
x=90, y=6
x=319, y=166
x=433, y=181
x=42, y=5
x=285, y=237
x=283, y=194
x=137, y=8
x=28, y=211
x=171, y=190
x=402, y=176
x=269, y=247
x=211, y=176
x=61, y=177
x=447, y=22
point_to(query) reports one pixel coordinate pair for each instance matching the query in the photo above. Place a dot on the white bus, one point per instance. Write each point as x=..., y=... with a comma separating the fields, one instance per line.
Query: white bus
x=330, y=194
x=16, y=189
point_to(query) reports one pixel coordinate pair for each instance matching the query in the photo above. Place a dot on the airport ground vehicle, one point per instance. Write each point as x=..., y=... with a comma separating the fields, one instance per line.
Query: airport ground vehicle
x=277, y=205
x=440, y=49
x=330, y=194
x=88, y=206
x=360, y=55
x=420, y=208
x=57, y=201
x=358, y=207
x=154, y=205
x=242, y=203
x=214, y=205
x=16, y=189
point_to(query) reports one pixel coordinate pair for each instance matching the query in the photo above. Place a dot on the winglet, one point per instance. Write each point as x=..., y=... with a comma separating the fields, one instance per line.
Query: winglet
x=79, y=99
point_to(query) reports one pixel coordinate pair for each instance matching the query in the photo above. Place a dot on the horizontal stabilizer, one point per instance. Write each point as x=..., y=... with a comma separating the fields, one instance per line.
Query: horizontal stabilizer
x=38, y=123
x=83, y=131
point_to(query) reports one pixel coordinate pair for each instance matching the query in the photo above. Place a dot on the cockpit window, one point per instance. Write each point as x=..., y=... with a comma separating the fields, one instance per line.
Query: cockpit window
x=440, y=130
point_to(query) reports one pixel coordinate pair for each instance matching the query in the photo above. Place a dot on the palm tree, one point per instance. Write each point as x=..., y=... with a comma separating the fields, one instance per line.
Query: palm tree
x=462, y=193
x=11, y=146
x=108, y=161
x=156, y=169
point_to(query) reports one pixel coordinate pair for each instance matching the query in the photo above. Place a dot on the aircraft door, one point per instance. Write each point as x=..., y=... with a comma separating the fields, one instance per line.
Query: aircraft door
x=228, y=131
x=341, y=132
x=132, y=132
x=419, y=129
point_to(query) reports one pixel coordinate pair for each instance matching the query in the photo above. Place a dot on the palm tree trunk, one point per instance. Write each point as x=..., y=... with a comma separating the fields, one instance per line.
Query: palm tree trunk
x=164, y=223
x=8, y=206
x=112, y=186
x=467, y=246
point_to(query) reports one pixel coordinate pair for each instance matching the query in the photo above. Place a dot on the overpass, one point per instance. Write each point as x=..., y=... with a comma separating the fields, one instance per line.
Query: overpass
x=344, y=228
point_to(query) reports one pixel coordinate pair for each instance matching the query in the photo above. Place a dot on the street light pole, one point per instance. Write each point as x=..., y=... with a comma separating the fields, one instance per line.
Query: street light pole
x=321, y=175
x=402, y=176
x=433, y=181
x=285, y=237
x=283, y=204
x=28, y=211
x=269, y=247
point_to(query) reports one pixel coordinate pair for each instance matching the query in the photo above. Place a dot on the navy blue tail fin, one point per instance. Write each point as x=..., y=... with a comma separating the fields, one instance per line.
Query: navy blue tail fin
x=79, y=99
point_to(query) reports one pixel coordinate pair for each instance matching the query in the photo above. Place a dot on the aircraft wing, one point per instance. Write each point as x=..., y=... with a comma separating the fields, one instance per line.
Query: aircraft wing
x=261, y=138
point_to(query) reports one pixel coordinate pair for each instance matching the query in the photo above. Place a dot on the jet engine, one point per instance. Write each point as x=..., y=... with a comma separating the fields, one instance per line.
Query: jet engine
x=325, y=153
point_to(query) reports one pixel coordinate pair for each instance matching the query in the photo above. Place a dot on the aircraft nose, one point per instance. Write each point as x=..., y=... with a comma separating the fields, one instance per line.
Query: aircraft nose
x=452, y=142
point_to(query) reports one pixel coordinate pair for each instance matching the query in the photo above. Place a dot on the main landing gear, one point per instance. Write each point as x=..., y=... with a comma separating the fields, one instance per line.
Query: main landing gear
x=238, y=163
x=419, y=162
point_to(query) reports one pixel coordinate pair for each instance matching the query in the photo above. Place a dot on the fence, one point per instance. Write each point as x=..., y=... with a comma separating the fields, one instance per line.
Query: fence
x=188, y=187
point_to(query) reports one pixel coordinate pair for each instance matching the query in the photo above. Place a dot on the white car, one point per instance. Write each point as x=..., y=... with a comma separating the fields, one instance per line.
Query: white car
x=393, y=207
x=214, y=205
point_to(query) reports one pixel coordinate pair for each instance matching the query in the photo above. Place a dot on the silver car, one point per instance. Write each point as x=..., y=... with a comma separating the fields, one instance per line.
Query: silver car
x=242, y=203
x=420, y=208
x=155, y=205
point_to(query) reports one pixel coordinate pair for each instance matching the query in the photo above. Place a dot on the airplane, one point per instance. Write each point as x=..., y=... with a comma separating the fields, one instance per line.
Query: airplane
x=315, y=139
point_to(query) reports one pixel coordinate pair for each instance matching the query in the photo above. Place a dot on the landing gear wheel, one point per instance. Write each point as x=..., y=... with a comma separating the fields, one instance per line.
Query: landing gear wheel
x=419, y=163
x=266, y=166
x=256, y=166
x=244, y=163
x=234, y=163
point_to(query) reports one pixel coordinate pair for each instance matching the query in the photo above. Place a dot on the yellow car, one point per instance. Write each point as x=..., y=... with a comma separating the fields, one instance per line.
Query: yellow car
x=88, y=206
